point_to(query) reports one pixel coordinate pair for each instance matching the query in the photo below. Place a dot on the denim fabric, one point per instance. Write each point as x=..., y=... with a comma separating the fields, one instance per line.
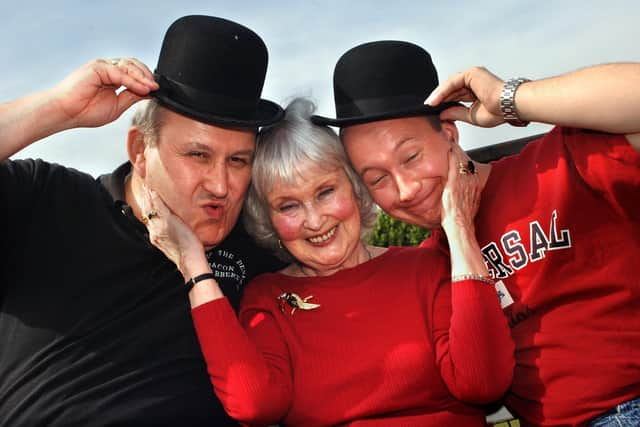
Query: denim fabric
x=626, y=414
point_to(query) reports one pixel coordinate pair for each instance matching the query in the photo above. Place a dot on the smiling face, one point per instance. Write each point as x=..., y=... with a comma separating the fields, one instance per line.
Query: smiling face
x=201, y=171
x=404, y=164
x=317, y=219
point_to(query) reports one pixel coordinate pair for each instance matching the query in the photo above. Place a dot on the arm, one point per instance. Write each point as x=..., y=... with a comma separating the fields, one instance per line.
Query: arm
x=86, y=98
x=474, y=349
x=248, y=361
x=602, y=97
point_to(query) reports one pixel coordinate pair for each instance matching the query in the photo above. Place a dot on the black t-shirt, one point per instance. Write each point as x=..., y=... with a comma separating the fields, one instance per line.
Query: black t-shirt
x=95, y=324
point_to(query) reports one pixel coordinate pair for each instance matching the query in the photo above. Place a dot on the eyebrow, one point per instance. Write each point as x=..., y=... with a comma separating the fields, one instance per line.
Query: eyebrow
x=204, y=147
x=395, y=148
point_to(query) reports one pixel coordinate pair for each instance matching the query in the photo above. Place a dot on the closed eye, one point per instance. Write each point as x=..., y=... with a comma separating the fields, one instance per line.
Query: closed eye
x=325, y=192
x=411, y=157
x=198, y=154
x=375, y=181
x=287, y=207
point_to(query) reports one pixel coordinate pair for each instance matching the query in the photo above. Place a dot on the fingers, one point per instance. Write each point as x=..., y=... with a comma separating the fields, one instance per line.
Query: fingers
x=446, y=89
x=461, y=195
x=452, y=176
x=458, y=113
x=152, y=205
x=158, y=204
x=127, y=72
x=136, y=69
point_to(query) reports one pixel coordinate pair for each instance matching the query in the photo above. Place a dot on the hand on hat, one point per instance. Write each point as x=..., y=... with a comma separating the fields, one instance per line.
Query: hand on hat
x=89, y=96
x=477, y=86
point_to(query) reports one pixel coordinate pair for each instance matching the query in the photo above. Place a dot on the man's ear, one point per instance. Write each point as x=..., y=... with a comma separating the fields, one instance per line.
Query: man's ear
x=135, y=149
x=450, y=130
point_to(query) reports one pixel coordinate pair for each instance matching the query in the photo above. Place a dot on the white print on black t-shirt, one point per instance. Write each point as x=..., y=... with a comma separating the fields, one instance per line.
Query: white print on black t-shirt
x=226, y=265
x=510, y=254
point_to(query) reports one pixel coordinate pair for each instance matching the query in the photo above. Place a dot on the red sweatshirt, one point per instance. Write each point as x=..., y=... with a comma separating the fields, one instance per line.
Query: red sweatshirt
x=559, y=225
x=393, y=343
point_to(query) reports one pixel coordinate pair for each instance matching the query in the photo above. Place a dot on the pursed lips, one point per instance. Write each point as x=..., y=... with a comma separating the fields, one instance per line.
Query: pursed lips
x=214, y=210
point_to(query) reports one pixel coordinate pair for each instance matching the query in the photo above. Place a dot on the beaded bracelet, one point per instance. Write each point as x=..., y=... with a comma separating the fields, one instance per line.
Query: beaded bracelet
x=478, y=277
x=191, y=282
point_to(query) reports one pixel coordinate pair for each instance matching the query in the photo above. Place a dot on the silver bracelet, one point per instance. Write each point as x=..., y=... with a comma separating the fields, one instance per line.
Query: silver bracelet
x=478, y=277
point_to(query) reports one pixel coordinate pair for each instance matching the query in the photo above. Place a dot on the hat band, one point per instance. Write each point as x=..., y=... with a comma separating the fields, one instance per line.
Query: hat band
x=205, y=102
x=379, y=105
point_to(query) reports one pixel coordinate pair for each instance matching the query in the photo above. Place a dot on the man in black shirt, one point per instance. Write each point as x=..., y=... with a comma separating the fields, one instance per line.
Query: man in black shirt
x=95, y=325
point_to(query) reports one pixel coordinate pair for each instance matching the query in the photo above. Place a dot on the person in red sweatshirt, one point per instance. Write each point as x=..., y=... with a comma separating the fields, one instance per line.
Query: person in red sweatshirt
x=347, y=333
x=558, y=224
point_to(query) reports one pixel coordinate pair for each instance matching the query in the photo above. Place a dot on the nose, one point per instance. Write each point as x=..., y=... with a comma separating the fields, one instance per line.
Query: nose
x=407, y=188
x=216, y=181
x=313, y=218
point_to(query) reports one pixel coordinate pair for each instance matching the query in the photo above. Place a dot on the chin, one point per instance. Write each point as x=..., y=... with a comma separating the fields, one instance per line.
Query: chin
x=212, y=238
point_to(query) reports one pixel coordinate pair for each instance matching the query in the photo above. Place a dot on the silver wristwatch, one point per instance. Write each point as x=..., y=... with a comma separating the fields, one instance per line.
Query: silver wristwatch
x=507, y=102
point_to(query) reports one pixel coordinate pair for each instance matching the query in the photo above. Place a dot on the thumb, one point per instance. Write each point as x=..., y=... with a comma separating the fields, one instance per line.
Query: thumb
x=126, y=99
x=456, y=113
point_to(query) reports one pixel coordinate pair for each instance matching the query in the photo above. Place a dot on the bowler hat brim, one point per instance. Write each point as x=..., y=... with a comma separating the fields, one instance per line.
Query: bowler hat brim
x=418, y=110
x=266, y=113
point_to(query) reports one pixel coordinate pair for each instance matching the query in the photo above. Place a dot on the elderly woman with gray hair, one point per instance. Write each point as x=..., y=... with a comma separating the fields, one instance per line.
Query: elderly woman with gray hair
x=347, y=333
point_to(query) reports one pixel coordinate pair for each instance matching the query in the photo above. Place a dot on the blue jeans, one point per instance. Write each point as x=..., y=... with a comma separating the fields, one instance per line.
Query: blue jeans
x=626, y=414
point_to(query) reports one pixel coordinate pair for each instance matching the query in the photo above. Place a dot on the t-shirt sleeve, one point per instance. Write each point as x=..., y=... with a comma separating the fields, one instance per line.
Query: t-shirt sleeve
x=247, y=360
x=20, y=183
x=28, y=188
x=474, y=349
x=608, y=164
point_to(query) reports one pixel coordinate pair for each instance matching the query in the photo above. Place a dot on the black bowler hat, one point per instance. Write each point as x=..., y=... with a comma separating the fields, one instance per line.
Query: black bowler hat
x=382, y=80
x=213, y=70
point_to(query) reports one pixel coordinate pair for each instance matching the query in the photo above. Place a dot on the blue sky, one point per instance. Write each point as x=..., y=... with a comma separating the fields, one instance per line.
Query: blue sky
x=42, y=41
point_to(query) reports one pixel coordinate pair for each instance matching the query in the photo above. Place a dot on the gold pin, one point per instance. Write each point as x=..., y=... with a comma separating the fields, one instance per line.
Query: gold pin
x=296, y=302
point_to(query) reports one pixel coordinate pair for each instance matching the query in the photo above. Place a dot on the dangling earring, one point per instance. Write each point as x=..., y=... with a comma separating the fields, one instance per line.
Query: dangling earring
x=280, y=244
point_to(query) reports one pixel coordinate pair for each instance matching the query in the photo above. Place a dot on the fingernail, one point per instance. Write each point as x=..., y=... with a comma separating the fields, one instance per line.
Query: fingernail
x=429, y=99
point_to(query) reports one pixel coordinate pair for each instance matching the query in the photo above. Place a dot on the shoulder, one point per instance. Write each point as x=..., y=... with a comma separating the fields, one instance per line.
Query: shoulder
x=38, y=169
x=254, y=258
x=26, y=181
x=263, y=291
x=588, y=150
x=430, y=257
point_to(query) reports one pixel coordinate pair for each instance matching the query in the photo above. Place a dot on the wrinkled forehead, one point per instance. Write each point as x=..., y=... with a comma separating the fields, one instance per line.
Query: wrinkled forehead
x=180, y=128
x=299, y=174
x=383, y=137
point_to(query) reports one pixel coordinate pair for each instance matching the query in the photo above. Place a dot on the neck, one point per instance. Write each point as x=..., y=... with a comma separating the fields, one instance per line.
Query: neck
x=484, y=169
x=363, y=254
x=133, y=193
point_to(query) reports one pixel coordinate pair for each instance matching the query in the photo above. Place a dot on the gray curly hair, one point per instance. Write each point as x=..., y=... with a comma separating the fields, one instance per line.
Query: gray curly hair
x=280, y=152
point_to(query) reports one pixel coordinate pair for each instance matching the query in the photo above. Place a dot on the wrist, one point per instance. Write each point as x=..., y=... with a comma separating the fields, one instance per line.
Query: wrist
x=193, y=265
x=508, y=106
x=459, y=227
x=485, y=278
x=191, y=282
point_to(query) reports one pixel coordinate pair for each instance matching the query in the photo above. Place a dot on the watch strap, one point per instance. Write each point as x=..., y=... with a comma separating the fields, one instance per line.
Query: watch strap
x=507, y=102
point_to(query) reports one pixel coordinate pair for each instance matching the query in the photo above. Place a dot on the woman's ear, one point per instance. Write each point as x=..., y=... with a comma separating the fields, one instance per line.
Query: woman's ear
x=135, y=150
